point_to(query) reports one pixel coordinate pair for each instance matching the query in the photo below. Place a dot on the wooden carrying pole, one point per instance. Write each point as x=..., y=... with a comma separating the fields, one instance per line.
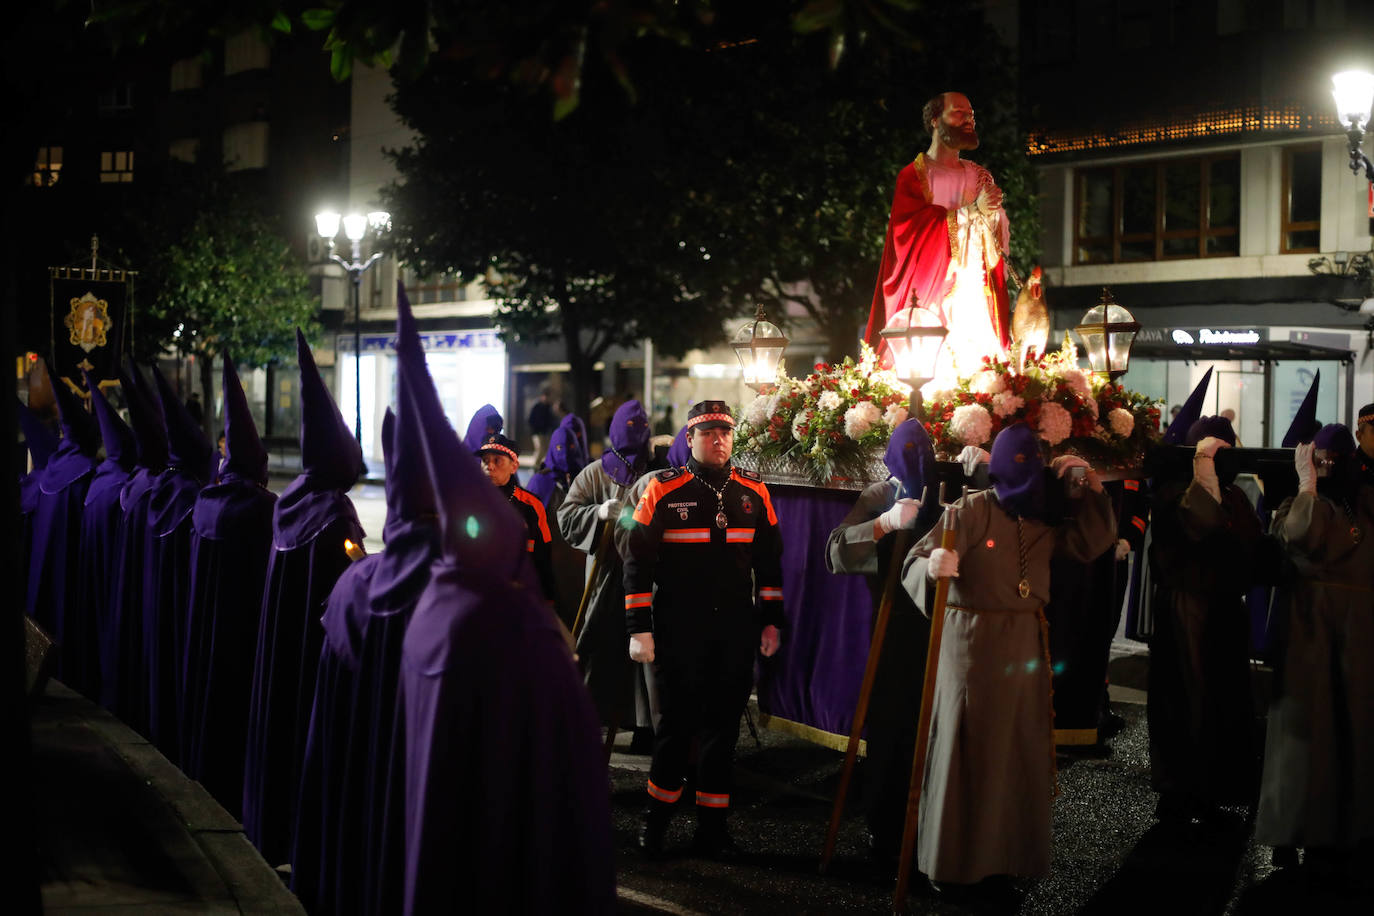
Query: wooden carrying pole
x=902, y=542
x=918, y=761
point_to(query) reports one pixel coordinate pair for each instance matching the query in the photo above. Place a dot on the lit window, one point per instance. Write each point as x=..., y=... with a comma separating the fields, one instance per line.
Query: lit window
x=1302, y=200
x=245, y=51
x=187, y=74
x=184, y=150
x=117, y=167
x=245, y=146
x=48, y=167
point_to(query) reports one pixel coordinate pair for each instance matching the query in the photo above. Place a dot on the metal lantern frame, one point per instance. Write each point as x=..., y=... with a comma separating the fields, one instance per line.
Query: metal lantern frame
x=910, y=335
x=748, y=351
x=1091, y=332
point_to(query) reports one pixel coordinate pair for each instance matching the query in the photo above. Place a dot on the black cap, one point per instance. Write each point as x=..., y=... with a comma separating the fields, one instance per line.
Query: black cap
x=501, y=445
x=1366, y=415
x=710, y=415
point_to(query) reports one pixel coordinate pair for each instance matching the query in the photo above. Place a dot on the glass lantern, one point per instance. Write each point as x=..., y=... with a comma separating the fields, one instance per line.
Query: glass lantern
x=759, y=345
x=1108, y=332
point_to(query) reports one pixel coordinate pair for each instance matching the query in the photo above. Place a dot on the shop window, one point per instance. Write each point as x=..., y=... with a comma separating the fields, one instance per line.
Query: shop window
x=117, y=167
x=1302, y=200
x=1153, y=211
x=47, y=168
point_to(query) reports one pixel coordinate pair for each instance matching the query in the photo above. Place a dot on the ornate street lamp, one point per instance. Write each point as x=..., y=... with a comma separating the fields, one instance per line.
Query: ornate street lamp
x=1353, y=91
x=915, y=336
x=759, y=346
x=355, y=226
x=1107, y=332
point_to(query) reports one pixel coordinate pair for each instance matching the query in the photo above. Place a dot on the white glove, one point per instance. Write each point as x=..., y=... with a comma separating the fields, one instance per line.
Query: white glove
x=1204, y=469
x=642, y=647
x=769, y=641
x=608, y=510
x=1307, y=470
x=1123, y=547
x=901, y=515
x=944, y=564
x=1061, y=466
x=971, y=457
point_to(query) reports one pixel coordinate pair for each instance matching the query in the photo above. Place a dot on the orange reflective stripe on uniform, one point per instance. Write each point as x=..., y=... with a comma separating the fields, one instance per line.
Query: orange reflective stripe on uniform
x=664, y=795
x=1131, y=484
x=770, y=594
x=639, y=599
x=529, y=546
x=1138, y=522
x=739, y=535
x=687, y=536
x=656, y=490
x=710, y=800
x=762, y=492
x=529, y=499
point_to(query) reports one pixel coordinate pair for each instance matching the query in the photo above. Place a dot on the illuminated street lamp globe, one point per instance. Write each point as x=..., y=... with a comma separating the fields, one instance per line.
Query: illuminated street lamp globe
x=1108, y=332
x=915, y=336
x=759, y=345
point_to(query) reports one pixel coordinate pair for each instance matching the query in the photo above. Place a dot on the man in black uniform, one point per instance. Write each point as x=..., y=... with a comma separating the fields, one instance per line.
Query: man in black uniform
x=1364, y=437
x=500, y=461
x=707, y=538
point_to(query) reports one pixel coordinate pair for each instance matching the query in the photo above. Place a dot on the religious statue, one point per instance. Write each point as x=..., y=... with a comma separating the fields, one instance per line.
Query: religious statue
x=946, y=241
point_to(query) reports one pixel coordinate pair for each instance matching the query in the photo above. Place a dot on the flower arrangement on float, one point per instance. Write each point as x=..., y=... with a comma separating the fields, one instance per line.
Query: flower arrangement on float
x=832, y=423
x=835, y=422
x=1072, y=410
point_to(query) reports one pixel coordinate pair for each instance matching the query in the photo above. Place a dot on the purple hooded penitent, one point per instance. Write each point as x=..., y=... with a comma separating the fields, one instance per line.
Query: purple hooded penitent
x=679, y=451
x=518, y=821
x=121, y=660
x=41, y=444
x=1188, y=413
x=483, y=423
x=1201, y=428
x=51, y=595
x=1017, y=471
x=231, y=540
x=629, y=432
x=1341, y=477
x=1305, y=423
x=98, y=556
x=167, y=569
x=564, y=452
x=910, y=458
x=312, y=520
x=348, y=854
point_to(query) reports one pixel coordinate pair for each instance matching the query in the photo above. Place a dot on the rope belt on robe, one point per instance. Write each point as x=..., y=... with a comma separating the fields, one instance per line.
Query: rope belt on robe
x=1039, y=612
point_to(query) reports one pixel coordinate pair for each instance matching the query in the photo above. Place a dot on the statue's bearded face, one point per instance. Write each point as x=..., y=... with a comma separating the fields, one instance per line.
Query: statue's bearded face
x=957, y=127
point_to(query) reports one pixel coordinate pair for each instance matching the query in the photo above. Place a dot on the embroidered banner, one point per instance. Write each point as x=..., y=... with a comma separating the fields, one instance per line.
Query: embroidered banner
x=91, y=320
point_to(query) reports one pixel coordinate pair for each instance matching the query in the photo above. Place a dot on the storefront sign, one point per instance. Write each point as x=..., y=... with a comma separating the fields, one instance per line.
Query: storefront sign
x=432, y=342
x=1230, y=336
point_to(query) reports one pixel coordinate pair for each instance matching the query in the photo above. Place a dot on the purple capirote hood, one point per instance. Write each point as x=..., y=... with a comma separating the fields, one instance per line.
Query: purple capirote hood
x=40, y=440
x=1189, y=413
x=1017, y=470
x=145, y=415
x=120, y=446
x=74, y=457
x=330, y=453
x=483, y=423
x=629, y=433
x=188, y=448
x=245, y=458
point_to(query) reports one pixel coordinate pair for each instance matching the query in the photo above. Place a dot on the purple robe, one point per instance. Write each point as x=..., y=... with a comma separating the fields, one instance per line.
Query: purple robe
x=311, y=521
x=41, y=444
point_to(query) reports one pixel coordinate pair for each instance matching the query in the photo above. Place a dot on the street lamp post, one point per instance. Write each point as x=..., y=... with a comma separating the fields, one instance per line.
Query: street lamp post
x=355, y=226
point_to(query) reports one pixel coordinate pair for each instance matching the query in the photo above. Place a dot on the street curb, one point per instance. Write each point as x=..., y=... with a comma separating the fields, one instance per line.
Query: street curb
x=247, y=877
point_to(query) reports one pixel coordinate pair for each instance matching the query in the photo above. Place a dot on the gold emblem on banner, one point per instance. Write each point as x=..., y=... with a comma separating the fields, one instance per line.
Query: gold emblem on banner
x=87, y=322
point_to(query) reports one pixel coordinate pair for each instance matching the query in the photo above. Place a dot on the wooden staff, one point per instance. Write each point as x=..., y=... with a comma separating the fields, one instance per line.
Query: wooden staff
x=603, y=544
x=901, y=544
x=918, y=761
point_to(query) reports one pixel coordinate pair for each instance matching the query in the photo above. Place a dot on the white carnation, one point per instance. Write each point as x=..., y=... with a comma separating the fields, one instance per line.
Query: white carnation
x=1055, y=423
x=861, y=418
x=802, y=418
x=895, y=415
x=757, y=413
x=1006, y=403
x=830, y=400
x=987, y=381
x=1122, y=421
x=971, y=424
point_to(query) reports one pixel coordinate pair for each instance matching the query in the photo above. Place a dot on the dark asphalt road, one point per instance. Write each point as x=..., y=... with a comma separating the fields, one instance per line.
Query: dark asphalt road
x=1110, y=856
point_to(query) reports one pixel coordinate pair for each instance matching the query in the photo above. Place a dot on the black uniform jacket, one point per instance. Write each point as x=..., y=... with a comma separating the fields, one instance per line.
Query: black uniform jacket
x=708, y=577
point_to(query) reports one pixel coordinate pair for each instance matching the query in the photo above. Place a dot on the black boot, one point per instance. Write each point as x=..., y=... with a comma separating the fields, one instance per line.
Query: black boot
x=653, y=826
x=712, y=840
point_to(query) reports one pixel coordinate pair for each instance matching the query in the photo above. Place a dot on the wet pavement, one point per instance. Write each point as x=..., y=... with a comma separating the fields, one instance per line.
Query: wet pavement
x=1109, y=854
